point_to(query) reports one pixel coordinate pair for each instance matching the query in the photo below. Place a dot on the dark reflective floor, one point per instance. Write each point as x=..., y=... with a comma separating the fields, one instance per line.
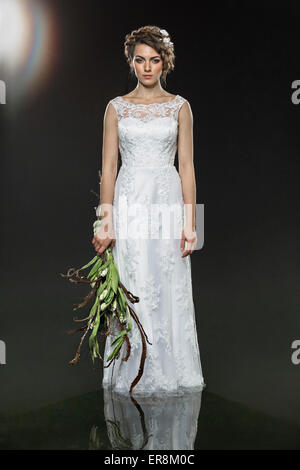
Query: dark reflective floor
x=98, y=420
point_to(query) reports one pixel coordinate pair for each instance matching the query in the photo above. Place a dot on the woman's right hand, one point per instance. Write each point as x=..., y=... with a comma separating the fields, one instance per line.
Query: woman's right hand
x=103, y=238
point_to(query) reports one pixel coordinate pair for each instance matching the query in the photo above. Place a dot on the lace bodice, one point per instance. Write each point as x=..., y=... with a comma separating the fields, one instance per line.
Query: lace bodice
x=147, y=132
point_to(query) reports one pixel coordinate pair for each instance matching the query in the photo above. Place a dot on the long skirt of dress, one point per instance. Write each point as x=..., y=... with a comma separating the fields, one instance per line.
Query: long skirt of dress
x=153, y=270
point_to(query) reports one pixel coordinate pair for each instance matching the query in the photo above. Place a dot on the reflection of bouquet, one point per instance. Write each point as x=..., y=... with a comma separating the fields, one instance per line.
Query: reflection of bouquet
x=110, y=306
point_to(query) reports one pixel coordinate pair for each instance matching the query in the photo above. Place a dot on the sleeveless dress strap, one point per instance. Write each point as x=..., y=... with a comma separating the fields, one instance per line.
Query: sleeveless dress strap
x=179, y=102
x=117, y=104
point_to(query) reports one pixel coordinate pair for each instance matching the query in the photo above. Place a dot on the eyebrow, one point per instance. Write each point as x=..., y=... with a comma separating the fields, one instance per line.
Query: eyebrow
x=154, y=57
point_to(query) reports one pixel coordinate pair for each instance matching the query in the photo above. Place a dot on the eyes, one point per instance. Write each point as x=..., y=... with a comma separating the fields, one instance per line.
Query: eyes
x=141, y=60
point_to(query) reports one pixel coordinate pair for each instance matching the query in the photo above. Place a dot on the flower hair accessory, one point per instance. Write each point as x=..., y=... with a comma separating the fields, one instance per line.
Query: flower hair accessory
x=166, y=38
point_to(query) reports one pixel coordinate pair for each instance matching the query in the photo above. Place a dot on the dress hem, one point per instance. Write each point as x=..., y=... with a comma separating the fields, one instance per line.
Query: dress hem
x=153, y=396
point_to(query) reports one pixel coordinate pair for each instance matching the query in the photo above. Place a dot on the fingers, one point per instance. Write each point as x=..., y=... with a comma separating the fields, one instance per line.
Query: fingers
x=182, y=243
x=100, y=245
x=101, y=248
x=191, y=243
x=186, y=253
x=97, y=245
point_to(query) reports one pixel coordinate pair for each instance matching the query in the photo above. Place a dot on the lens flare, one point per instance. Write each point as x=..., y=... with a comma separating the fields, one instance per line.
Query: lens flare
x=28, y=38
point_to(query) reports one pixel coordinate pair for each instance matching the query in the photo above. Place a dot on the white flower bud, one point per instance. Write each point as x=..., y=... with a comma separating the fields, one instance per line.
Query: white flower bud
x=103, y=294
x=104, y=272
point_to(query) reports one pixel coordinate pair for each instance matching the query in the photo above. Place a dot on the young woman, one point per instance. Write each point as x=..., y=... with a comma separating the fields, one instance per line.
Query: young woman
x=148, y=126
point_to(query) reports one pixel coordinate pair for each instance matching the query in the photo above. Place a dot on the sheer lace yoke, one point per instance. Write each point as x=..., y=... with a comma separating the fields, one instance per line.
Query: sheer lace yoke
x=149, y=111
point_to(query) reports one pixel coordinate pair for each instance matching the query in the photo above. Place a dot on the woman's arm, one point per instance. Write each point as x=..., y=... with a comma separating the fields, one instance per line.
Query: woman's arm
x=187, y=175
x=110, y=149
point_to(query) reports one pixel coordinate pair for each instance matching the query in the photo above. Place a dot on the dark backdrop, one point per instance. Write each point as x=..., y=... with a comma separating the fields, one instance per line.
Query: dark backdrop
x=235, y=63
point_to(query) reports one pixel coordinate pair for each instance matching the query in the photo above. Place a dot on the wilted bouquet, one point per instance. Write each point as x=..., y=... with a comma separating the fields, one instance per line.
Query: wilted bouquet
x=110, y=305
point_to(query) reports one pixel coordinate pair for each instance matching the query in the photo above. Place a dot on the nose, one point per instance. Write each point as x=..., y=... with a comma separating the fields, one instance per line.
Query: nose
x=147, y=67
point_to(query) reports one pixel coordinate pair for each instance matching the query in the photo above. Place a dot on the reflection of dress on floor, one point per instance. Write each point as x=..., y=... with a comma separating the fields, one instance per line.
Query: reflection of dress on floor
x=152, y=269
x=170, y=424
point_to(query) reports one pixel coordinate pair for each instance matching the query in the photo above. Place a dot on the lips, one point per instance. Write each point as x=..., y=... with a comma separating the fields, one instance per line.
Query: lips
x=147, y=76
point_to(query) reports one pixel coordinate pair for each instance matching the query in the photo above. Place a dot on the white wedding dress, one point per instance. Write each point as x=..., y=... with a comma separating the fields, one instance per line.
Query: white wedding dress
x=152, y=268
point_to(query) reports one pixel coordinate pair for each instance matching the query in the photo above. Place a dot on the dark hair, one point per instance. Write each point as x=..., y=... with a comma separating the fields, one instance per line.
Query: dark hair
x=156, y=38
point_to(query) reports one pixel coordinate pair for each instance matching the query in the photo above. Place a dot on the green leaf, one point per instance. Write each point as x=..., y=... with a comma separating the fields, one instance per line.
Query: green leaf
x=92, y=311
x=96, y=348
x=96, y=326
x=123, y=332
x=129, y=320
x=109, y=297
x=90, y=263
x=101, y=288
x=109, y=273
x=121, y=299
x=115, y=278
x=119, y=344
x=95, y=268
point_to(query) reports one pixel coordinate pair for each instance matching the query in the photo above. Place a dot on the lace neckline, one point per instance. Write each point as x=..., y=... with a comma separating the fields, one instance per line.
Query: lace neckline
x=149, y=104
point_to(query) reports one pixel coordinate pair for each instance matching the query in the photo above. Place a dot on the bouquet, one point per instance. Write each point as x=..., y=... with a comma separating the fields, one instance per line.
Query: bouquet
x=110, y=305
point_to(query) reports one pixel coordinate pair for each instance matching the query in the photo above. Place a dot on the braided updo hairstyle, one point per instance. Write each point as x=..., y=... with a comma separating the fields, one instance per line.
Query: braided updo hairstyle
x=156, y=38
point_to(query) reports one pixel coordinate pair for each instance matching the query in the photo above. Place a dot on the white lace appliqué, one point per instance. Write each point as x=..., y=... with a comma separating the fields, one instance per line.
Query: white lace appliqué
x=166, y=259
x=150, y=292
x=152, y=268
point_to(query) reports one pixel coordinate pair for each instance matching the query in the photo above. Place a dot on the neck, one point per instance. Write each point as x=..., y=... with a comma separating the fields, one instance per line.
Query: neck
x=148, y=92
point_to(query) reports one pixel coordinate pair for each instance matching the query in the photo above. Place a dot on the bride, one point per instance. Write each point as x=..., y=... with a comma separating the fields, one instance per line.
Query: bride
x=148, y=126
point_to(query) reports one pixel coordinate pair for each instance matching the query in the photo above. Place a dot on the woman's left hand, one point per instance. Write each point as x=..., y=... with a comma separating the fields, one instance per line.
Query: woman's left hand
x=189, y=236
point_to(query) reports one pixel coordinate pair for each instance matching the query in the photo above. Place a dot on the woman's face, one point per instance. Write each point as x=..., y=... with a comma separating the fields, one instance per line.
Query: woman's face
x=147, y=61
